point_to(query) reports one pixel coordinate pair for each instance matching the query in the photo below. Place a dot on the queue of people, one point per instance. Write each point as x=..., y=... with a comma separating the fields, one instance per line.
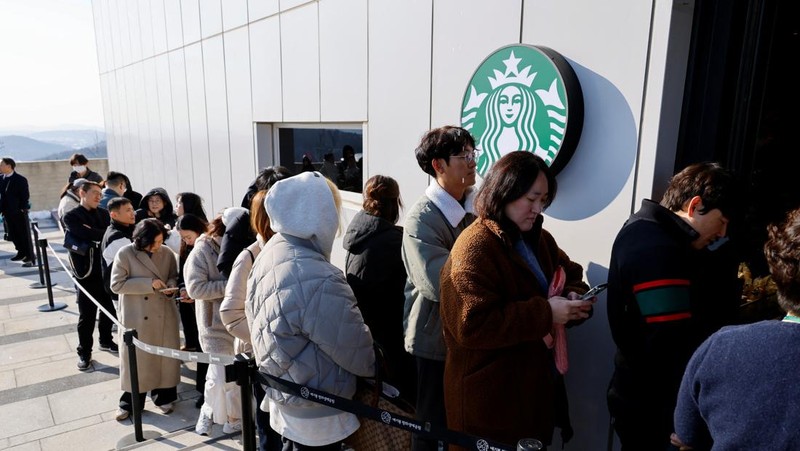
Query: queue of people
x=470, y=300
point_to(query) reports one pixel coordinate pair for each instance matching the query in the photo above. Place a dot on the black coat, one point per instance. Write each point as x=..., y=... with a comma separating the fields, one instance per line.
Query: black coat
x=90, y=176
x=168, y=216
x=115, y=231
x=375, y=272
x=14, y=194
x=238, y=235
x=89, y=227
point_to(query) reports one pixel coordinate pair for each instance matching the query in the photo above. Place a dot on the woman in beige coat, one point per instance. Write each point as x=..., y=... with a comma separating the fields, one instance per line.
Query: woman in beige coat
x=140, y=271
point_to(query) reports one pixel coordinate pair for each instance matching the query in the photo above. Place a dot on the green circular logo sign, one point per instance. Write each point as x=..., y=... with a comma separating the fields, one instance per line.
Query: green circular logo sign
x=524, y=97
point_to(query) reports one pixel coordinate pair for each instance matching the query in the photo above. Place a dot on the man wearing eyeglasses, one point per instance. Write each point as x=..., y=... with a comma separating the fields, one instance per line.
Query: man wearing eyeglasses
x=87, y=223
x=432, y=225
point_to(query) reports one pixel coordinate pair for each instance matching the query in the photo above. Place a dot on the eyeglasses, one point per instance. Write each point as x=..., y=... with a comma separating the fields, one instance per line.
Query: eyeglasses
x=470, y=157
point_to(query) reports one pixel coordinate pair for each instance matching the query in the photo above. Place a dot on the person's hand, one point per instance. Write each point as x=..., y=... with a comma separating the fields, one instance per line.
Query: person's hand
x=565, y=310
x=573, y=296
x=184, y=297
x=158, y=284
x=676, y=441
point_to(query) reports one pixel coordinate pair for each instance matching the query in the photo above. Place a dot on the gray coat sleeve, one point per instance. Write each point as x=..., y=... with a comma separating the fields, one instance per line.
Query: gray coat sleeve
x=199, y=277
x=335, y=324
x=424, y=255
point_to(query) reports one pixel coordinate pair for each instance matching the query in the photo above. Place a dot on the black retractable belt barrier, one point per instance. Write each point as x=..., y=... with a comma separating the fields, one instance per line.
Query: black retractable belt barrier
x=50, y=306
x=424, y=429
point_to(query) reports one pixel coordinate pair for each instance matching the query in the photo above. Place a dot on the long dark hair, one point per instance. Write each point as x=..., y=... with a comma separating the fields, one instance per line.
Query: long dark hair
x=146, y=232
x=192, y=223
x=192, y=205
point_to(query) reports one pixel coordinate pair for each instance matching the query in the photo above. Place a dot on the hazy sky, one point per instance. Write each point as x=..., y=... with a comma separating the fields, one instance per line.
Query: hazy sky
x=48, y=65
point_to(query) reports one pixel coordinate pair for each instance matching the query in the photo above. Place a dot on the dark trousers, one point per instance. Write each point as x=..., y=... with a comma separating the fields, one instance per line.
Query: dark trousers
x=430, y=401
x=160, y=396
x=189, y=322
x=17, y=229
x=87, y=311
x=266, y=435
x=641, y=419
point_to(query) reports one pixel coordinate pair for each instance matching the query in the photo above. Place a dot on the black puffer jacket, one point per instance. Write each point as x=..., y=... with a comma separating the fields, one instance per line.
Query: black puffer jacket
x=377, y=276
x=167, y=213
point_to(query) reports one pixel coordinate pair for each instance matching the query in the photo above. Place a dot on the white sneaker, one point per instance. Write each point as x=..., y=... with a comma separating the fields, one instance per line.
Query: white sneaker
x=167, y=409
x=230, y=428
x=121, y=414
x=204, y=423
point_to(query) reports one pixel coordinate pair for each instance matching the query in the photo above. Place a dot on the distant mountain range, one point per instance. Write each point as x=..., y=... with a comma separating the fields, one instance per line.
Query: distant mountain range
x=53, y=145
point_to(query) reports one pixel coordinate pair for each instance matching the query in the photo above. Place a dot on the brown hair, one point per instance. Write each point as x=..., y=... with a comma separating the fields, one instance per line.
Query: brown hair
x=714, y=184
x=782, y=251
x=216, y=227
x=508, y=180
x=382, y=198
x=259, y=220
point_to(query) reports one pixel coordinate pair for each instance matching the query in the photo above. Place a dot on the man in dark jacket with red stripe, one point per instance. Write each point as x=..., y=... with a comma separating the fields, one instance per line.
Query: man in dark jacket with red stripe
x=654, y=291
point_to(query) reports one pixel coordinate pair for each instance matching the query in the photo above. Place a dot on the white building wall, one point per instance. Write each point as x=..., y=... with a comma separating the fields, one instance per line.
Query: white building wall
x=186, y=81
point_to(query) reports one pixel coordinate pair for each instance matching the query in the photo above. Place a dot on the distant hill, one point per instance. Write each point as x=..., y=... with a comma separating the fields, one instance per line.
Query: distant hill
x=96, y=151
x=74, y=139
x=21, y=148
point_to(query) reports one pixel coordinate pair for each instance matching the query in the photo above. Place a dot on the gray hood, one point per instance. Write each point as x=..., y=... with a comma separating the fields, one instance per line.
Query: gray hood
x=302, y=206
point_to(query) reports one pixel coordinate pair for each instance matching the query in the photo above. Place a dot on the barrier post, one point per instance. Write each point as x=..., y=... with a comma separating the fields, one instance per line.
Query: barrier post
x=138, y=434
x=244, y=367
x=128, y=337
x=41, y=254
x=50, y=306
x=35, y=230
x=31, y=243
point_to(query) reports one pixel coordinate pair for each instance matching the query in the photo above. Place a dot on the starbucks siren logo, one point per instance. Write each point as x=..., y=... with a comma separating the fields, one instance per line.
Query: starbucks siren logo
x=524, y=98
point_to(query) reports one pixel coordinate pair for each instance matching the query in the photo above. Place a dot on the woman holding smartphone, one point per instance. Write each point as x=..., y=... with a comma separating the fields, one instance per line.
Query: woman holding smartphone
x=144, y=275
x=503, y=288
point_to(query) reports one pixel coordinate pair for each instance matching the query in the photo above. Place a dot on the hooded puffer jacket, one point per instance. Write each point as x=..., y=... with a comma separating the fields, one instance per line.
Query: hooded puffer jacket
x=306, y=327
x=167, y=213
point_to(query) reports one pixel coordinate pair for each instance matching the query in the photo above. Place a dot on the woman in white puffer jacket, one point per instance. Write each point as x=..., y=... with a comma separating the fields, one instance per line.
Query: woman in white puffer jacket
x=306, y=327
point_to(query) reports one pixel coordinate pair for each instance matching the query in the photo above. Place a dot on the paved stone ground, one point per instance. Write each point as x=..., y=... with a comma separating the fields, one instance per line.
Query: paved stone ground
x=45, y=402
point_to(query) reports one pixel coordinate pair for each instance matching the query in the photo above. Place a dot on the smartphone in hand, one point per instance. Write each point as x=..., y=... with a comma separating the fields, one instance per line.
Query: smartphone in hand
x=594, y=291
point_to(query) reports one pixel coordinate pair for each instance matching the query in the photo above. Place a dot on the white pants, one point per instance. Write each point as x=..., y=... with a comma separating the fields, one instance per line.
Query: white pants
x=222, y=398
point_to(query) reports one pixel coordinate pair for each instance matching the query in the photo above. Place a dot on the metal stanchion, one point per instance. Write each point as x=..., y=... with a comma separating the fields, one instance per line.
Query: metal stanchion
x=244, y=367
x=138, y=434
x=35, y=230
x=50, y=306
x=41, y=254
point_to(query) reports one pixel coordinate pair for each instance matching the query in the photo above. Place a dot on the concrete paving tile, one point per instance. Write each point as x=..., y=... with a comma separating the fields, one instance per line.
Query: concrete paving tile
x=34, y=321
x=36, y=436
x=25, y=416
x=31, y=446
x=13, y=365
x=93, y=400
x=7, y=380
x=32, y=350
x=5, y=312
x=96, y=437
x=46, y=371
x=30, y=310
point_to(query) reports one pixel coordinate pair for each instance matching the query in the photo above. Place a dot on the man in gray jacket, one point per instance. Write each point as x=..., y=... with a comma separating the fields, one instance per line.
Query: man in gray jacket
x=432, y=225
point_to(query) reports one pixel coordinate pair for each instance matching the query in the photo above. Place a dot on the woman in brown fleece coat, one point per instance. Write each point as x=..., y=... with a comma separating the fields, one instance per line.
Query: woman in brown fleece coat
x=499, y=374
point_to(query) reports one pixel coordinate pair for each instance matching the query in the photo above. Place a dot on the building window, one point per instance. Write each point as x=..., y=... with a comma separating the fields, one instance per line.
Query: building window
x=334, y=151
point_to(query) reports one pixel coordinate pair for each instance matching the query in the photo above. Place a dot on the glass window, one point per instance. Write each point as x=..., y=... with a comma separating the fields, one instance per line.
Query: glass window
x=334, y=152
